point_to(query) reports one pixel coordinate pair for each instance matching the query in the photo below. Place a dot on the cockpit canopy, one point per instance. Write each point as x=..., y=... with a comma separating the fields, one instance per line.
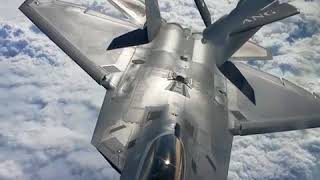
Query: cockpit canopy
x=164, y=160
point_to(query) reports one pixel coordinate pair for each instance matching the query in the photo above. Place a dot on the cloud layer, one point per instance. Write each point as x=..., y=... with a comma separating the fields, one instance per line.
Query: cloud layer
x=49, y=106
x=48, y=110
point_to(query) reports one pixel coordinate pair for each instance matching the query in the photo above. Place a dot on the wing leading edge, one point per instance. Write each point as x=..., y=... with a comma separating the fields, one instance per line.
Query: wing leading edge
x=280, y=105
x=82, y=34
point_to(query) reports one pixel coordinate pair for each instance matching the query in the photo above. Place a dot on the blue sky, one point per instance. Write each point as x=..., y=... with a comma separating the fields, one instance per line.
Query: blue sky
x=49, y=106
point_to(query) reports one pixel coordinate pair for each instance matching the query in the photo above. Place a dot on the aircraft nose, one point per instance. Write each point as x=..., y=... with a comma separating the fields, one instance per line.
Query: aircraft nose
x=164, y=160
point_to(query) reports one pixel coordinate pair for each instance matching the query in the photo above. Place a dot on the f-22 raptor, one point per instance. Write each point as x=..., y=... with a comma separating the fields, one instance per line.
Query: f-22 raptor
x=175, y=97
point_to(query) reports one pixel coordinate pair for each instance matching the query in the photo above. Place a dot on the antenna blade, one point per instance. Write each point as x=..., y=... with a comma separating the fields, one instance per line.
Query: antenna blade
x=204, y=12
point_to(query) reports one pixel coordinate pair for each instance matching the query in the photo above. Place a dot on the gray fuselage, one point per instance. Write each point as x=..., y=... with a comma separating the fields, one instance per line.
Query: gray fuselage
x=176, y=95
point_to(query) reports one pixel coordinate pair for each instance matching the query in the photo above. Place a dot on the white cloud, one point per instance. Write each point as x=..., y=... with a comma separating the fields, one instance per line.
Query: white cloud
x=48, y=110
x=10, y=169
x=49, y=106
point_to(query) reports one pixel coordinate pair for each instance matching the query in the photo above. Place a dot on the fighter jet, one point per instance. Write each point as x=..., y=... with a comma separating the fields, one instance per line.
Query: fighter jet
x=175, y=97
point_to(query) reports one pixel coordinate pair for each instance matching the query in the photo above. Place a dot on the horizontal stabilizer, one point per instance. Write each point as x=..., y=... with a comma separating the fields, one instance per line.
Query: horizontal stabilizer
x=133, y=38
x=230, y=71
x=252, y=51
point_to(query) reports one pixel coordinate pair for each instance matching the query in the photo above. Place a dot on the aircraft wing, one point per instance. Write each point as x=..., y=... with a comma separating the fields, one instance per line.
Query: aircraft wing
x=280, y=105
x=82, y=34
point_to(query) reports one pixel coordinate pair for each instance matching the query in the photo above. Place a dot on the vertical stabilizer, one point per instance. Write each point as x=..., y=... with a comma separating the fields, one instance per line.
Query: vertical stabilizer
x=266, y=14
x=133, y=9
x=139, y=36
x=231, y=32
x=235, y=29
x=142, y=13
x=153, y=18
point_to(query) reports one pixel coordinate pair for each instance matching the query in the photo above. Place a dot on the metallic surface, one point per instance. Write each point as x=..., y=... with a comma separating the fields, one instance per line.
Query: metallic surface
x=168, y=112
x=134, y=9
x=252, y=51
x=281, y=105
x=164, y=163
x=83, y=35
